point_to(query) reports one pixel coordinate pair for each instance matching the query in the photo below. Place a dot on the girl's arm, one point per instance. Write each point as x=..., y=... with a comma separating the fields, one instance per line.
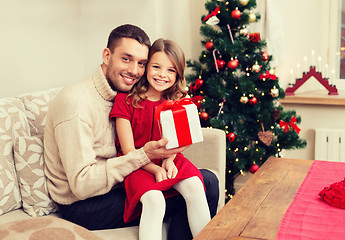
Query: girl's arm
x=125, y=135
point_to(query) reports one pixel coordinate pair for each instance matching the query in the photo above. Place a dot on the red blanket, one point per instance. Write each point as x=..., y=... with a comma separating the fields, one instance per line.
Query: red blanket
x=308, y=216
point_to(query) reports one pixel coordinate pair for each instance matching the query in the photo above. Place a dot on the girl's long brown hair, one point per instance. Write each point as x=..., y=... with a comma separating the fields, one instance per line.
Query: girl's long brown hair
x=176, y=91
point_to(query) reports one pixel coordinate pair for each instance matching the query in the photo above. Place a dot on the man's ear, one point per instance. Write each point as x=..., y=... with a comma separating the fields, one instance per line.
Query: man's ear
x=106, y=55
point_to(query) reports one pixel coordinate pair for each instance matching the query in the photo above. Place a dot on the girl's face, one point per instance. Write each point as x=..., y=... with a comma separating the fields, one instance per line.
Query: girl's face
x=161, y=74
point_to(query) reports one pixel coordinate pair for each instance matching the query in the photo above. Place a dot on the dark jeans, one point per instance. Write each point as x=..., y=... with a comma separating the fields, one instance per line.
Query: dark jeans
x=106, y=211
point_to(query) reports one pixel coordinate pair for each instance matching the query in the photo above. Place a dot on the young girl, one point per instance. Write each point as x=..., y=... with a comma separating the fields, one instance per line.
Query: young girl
x=135, y=126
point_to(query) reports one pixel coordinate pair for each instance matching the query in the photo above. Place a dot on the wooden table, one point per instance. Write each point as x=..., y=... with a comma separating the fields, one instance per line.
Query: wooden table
x=255, y=212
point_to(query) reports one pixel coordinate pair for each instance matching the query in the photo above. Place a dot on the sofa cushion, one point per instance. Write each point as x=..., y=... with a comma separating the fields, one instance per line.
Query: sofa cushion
x=28, y=157
x=12, y=124
x=36, y=107
x=46, y=227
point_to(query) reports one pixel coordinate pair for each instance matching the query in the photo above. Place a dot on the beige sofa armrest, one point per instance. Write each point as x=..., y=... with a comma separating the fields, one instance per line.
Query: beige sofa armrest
x=210, y=154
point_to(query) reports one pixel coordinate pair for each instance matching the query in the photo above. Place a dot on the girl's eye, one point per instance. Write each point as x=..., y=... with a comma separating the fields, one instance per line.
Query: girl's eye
x=156, y=67
x=172, y=70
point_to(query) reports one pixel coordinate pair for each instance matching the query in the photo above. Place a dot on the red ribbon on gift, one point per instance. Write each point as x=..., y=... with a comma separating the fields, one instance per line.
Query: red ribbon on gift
x=213, y=13
x=286, y=125
x=180, y=118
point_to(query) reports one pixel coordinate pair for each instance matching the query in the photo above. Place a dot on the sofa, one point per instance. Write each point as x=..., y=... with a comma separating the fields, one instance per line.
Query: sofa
x=26, y=208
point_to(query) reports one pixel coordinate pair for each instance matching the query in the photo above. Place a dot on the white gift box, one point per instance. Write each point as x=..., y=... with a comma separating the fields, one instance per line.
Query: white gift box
x=181, y=125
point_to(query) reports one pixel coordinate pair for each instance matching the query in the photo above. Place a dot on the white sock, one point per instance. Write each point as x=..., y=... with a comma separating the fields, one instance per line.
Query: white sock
x=198, y=212
x=151, y=221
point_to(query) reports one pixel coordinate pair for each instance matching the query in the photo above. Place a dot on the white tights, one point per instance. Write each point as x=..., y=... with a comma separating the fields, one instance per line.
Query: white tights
x=153, y=211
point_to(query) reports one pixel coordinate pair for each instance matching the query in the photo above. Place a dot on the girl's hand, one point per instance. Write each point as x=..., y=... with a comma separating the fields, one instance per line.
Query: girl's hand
x=160, y=174
x=170, y=167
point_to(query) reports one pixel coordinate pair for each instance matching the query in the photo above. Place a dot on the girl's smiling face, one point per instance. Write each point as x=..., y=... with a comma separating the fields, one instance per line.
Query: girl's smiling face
x=161, y=75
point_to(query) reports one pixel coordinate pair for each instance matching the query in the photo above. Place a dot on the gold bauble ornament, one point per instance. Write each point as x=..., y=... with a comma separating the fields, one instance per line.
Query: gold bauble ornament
x=244, y=99
x=244, y=31
x=275, y=92
x=252, y=17
x=244, y=2
x=256, y=67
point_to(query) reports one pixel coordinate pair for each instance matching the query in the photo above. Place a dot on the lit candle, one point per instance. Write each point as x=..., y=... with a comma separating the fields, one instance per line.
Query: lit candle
x=298, y=70
x=292, y=77
x=325, y=75
x=306, y=68
x=332, y=77
x=313, y=58
x=318, y=69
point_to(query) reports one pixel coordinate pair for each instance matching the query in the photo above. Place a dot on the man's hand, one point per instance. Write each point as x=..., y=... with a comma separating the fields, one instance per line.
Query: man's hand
x=157, y=150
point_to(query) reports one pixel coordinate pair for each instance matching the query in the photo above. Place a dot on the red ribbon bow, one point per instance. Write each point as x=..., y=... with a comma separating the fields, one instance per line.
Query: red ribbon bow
x=267, y=76
x=171, y=105
x=254, y=37
x=286, y=125
x=213, y=13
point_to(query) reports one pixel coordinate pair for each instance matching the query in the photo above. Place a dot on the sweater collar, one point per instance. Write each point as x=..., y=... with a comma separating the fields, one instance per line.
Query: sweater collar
x=103, y=86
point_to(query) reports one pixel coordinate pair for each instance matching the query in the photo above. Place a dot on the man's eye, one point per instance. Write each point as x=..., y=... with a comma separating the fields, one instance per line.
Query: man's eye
x=125, y=59
x=142, y=64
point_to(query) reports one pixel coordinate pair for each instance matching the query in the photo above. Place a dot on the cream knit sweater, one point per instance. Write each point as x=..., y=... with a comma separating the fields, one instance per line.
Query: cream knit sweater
x=79, y=147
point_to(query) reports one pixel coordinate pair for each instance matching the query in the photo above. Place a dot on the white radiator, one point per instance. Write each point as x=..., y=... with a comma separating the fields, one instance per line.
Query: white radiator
x=330, y=144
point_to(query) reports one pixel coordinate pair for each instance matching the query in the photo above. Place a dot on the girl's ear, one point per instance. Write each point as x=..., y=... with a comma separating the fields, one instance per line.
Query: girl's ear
x=106, y=55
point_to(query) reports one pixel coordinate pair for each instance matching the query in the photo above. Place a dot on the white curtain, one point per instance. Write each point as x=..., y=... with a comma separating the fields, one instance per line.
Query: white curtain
x=271, y=28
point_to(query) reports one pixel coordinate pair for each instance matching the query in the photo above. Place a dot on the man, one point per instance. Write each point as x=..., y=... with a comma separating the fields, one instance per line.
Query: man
x=84, y=174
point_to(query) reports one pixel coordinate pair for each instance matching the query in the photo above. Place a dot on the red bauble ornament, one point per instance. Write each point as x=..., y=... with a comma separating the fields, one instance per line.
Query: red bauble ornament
x=265, y=56
x=198, y=83
x=197, y=100
x=220, y=63
x=204, y=116
x=232, y=64
x=253, y=101
x=254, y=168
x=231, y=137
x=236, y=14
x=209, y=45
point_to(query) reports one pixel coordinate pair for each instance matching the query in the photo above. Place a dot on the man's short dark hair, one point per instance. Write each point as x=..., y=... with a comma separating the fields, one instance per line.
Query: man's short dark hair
x=127, y=31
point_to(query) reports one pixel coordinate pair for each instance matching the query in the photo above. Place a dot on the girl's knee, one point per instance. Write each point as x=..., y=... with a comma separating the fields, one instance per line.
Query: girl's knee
x=153, y=198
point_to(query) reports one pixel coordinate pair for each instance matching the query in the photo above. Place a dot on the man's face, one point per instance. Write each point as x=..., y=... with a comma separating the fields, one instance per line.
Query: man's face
x=126, y=65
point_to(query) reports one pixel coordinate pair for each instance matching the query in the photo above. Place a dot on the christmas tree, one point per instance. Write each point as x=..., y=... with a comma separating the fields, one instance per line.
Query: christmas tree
x=237, y=91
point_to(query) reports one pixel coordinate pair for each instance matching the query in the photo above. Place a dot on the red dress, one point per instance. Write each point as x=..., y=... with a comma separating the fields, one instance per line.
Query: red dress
x=146, y=129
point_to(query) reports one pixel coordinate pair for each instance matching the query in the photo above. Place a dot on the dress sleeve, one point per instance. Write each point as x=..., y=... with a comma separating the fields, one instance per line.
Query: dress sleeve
x=121, y=108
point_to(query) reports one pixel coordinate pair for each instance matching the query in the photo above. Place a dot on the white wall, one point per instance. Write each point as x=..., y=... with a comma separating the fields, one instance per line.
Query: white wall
x=51, y=43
